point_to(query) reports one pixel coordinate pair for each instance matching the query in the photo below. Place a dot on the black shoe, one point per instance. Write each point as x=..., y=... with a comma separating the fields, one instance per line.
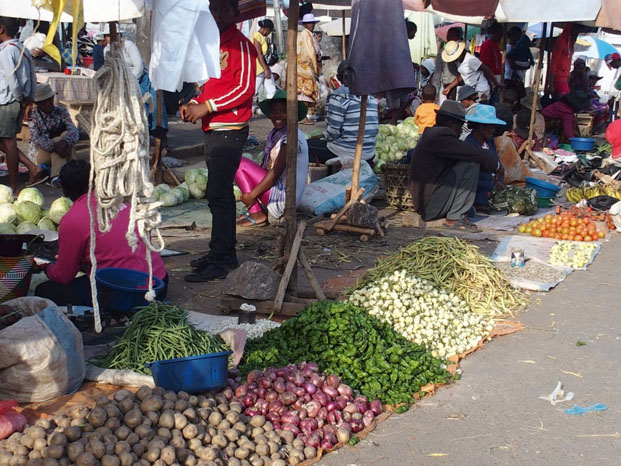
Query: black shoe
x=230, y=263
x=208, y=273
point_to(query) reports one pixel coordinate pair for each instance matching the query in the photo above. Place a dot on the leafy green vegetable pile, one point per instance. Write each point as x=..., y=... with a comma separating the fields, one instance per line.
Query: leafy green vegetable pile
x=158, y=332
x=344, y=340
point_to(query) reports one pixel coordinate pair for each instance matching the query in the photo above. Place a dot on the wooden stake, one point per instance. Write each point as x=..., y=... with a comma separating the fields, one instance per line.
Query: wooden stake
x=344, y=38
x=293, y=255
x=533, y=111
x=355, y=179
x=310, y=276
x=340, y=213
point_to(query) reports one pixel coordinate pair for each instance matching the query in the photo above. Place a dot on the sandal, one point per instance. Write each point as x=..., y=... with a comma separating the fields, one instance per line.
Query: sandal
x=35, y=182
x=306, y=121
x=252, y=222
x=463, y=225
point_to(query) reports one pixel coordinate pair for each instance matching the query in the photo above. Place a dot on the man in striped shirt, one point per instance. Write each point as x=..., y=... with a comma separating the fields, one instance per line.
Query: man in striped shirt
x=225, y=108
x=343, y=118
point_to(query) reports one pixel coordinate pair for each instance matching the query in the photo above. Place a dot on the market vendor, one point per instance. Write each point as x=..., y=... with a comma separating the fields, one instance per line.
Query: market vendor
x=53, y=135
x=564, y=110
x=444, y=171
x=263, y=186
x=483, y=122
x=342, y=118
x=111, y=250
x=521, y=123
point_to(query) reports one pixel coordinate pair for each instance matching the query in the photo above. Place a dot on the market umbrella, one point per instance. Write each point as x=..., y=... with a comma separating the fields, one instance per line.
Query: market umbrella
x=335, y=28
x=593, y=47
x=442, y=31
x=94, y=12
x=26, y=10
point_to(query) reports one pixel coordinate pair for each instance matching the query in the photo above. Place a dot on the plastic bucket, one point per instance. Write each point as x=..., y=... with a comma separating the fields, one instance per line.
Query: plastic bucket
x=543, y=188
x=122, y=290
x=192, y=374
x=584, y=144
x=544, y=201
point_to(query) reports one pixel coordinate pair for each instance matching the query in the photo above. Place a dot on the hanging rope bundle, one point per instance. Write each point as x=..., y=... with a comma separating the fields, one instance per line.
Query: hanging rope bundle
x=120, y=160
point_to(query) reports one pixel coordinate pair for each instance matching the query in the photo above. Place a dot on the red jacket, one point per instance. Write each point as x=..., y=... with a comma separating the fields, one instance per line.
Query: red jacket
x=229, y=98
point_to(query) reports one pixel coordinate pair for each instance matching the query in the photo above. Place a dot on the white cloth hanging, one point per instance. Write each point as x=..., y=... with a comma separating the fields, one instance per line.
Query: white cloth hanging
x=185, y=44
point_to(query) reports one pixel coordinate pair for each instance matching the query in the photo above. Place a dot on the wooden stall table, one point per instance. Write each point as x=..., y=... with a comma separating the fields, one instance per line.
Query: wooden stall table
x=70, y=88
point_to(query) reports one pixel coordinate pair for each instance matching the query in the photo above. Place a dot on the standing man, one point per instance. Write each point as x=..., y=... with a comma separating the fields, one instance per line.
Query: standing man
x=560, y=63
x=225, y=107
x=445, y=73
x=613, y=61
x=492, y=58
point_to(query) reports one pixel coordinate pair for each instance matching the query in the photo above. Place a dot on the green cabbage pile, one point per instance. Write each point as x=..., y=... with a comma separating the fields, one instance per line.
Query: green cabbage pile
x=393, y=142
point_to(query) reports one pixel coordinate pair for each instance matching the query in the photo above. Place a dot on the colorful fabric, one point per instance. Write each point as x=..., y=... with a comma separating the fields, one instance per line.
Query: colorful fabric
x=229, y=98
x=111, y=248
x=15, y=275
x=44, y=127
x=17, y=83
x=342, y=119
x=561, y=111
x=308, y=67
x=425, y=116
x=490, y=56
x=562, y=52
x=247, y=177
x=260, y=38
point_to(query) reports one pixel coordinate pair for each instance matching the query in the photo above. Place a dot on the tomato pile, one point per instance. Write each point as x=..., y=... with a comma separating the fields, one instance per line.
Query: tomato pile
x=572, y=225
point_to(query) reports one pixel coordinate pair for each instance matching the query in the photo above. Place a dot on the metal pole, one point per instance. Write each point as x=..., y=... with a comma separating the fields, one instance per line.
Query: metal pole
x=292, y=131
x=280, y=39
x=344, y=37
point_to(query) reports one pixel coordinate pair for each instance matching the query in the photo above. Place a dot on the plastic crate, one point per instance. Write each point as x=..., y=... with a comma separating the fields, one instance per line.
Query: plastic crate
x=396, y=177
x=192, y=374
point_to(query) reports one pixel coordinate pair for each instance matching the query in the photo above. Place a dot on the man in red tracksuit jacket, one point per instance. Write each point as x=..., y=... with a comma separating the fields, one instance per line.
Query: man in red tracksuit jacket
x=225, y=107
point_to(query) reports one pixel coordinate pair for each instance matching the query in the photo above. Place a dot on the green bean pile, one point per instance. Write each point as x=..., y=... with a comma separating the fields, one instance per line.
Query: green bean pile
x=158, y=332
x=456, y=266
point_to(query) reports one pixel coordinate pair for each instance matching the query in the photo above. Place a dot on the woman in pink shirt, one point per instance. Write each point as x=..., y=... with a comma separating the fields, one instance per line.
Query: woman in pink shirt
x=560, y=63
x=111, y=248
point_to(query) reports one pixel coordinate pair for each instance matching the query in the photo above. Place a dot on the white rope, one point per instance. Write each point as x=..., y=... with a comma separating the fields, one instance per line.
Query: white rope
x=120, y=160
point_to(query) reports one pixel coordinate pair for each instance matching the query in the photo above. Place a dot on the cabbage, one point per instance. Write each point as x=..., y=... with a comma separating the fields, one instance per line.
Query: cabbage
x=7, y=229
x=7, y=213
x=6, y=194
x=190, y=175
x=59, y=208
x=316, y=134
x=196, y=192
x=393, y=142
x=203, y=171
x=25, y=227
x=159, y=190
x=201, y=182
x=27, y=211
x=169, y=199
x=178, y=192
x=236, y=191
x=32, y=195
x=46, y=224
x=183, y=187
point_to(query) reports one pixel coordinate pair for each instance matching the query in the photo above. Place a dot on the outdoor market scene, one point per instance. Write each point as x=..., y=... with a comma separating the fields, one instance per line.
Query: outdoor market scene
x=276, y=232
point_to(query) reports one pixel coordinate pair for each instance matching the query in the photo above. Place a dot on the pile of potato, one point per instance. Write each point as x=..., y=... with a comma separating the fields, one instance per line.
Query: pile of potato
x=158, y=427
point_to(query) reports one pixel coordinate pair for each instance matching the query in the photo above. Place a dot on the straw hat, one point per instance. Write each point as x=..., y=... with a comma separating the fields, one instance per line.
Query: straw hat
x=309, y=18
x=266, y=105
x=43, y=92
x=452, y=51
x=483, y=114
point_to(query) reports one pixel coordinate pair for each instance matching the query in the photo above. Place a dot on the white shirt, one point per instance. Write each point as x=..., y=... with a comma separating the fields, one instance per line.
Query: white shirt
x=17, y=83
x=472, y=76
x=132, y=57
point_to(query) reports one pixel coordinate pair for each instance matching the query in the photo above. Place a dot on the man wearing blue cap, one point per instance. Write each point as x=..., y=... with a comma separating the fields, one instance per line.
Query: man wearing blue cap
x=444, y=171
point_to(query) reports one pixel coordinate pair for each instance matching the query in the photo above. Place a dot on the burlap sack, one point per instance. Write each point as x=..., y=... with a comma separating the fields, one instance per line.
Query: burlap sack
x=41, y=355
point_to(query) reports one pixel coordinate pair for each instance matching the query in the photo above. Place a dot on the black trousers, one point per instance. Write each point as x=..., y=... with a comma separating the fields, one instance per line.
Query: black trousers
x=318, y=151
x=78, y=292
x=223, y=153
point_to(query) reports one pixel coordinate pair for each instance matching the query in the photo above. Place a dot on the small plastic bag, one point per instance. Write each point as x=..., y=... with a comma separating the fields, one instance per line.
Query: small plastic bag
x=10, y=420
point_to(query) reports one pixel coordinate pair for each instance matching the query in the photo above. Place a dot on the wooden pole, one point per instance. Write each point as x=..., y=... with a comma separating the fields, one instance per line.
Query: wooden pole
x=533, y=111
x=344, y=37
x=287, y=274
x=280, y=40
x=292, y=131
x=355, y=179
x=114, y=36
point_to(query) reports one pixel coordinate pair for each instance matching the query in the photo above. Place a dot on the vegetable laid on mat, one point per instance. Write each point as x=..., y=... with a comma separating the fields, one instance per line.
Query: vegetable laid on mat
x=456, y=266
x=158, y=332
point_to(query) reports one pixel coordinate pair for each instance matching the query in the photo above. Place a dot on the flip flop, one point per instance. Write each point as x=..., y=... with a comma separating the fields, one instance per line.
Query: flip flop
x=306, y=121
x=463, y=225
x=43, y=179
x=253, y=222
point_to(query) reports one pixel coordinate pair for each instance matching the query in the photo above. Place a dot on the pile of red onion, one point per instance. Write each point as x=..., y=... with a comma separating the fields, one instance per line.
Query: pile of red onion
x=319, y=410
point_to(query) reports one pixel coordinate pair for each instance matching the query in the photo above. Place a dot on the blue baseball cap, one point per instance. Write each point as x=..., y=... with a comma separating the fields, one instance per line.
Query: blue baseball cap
x=483, y=114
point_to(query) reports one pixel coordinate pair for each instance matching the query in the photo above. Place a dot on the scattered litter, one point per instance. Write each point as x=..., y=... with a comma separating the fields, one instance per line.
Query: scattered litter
x=575, y=374
x=580, y=410
x=527, y=361
x=557, y=395
x=436, y=455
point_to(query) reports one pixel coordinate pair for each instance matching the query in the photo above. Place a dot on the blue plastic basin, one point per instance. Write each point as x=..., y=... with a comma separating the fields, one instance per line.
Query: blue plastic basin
x=584, y=144
x=122, y=290
x=192, y=374
x=543, y=188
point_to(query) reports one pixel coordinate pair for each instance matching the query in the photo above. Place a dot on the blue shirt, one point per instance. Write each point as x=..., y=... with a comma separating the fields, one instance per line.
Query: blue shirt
x=17, y=75
x=98, y=56
x=485, y=186
x=343, y=117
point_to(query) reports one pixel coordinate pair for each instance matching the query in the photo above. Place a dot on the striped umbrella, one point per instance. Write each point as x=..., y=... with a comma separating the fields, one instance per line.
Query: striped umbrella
x=593, y=47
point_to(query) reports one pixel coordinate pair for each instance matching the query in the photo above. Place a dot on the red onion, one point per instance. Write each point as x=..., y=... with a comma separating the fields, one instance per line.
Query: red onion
x=320, y=422
x=241, y=391
x=356, y=416
x=312, y=408
x=289, y=386
x=277, y=425
x=341, y=401
x=302, y=413
x=331, y=406
x=298, y=404
x=251, y=412
x=262, y=405
x=275, y=406
x=279, y=386
x=307, y=398
x=367, y=419
x=361, y=398
x=317, y=380
x=253, y=375
x=345, y=390
x=346, y=416
x=287, y=398
x=291, y=428
x=329, y=432
x=313, y=440
x=351, y=408
x=362, y=407
x=376, y=407
x=249, y=399
x=271, y=396
x=299, y=391
x=308, y=425
x=321, y=397
x=310, y=388
x=356, y=425
x=272, y=416
x=290, y=417
x=314, y=367
x=323, y=413
x=338, y=415
x=307, y=371
x=271, y=373
x=326, y=444
x=261, y=392
x=252, y=386
x=228, y=393
x=333, y=380
x=331, y=417
x=298, y=379
x=265, y=382
x=330, y=391
x=344, y=425
x=280, y=372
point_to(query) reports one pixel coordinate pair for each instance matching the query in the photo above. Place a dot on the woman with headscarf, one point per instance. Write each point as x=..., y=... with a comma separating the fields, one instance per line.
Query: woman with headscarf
x=308, y=51
x=427, y=68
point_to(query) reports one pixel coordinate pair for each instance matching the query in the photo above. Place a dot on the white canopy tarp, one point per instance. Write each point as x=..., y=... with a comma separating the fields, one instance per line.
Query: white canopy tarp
x=94, y=10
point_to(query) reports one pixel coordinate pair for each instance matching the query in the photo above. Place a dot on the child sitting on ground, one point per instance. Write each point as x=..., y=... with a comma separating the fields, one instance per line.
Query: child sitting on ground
x=425, y=116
